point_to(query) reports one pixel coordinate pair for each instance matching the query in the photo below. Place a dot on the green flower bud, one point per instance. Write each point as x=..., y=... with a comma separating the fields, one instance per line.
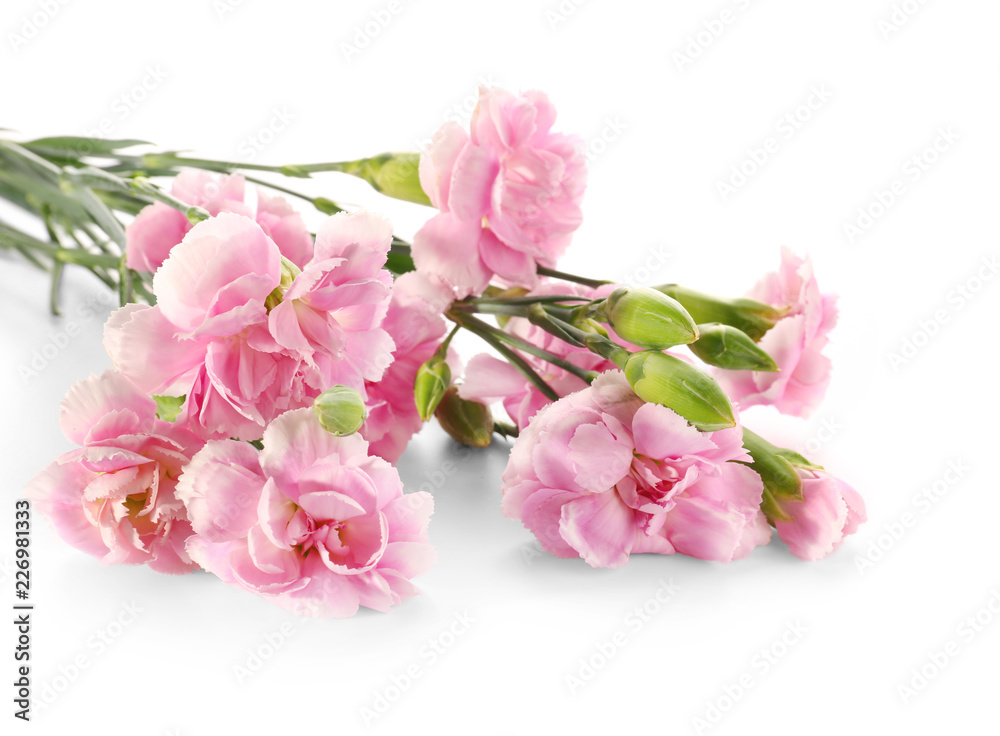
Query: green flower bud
x=288, y=273
x=468, y=422
x=432, y=381
x=340, y=410
x=776, y=467
x=648, y=318
x=393, y=174
x=327, y=206
x=752, y=317
x=666, y=379
x=727, y=347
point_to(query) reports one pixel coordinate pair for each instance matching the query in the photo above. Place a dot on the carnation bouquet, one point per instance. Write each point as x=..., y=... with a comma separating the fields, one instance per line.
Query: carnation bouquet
x=264, y=378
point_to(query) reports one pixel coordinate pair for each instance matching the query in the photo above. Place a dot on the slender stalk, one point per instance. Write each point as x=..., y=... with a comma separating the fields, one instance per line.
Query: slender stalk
x=508, y=310
x=505, y=429
x=527, y=347
x=520, y=363
x=57, y=270
x=124, y=283
x=90, y=178
x=442, y=349
x=144, y=186
x=554, y=274
x=171, y=161
x=541, y=299
x=593, y=341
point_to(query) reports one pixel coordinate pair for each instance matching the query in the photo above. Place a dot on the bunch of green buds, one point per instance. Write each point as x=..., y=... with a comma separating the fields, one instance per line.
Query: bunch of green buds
x=632, y=327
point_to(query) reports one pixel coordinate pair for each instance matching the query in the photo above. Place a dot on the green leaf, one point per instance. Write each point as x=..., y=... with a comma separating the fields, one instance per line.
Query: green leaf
x=399, y=263
x=79, y=146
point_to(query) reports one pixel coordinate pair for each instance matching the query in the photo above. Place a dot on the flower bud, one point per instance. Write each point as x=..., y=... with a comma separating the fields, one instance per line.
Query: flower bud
x=468, y=422
x=393, y=174
x=648, y=318
x=432, y=381
x=727, y=347
x=776, y=467
x=340, y=410
x=288, y=273
x=327, y=206
x=666, y=379
x=752, y=317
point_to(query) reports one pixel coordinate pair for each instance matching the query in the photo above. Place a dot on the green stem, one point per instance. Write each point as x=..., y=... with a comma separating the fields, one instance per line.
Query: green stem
x=520, y=363
x=505, y=429
x=324, y=205
x=57, y=270
x=554, y=274
x=528, y=347
x=593, y=341
x=442, y=350
x=171, y=161
x=90, y=178
x=507, y=310
x=124, y=282
x=541, y=299
x=144, y=186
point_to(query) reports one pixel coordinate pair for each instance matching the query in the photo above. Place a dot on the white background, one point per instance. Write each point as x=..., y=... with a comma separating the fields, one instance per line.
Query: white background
x=663, y=135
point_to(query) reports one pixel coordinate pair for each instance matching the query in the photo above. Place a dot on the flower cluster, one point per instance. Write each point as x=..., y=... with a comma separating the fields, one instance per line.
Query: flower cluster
x=262, y=394
x=244, y=335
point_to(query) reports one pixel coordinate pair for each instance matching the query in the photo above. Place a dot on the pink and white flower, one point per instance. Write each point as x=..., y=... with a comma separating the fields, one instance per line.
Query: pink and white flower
x=114, y=497
x=313, y=522
x=508, y=192
x=244, y=337
x=795, y=343
x=158, y=228
x=417, y=327
x=600, y=474
x=829, y=512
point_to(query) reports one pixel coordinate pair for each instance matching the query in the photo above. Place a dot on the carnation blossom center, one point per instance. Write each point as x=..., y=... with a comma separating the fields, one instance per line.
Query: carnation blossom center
x=650, y=484
x=136, y=498
x=332, y=535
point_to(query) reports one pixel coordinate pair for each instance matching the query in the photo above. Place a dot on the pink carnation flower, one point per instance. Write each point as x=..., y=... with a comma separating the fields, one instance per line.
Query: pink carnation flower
x=242, y=345
x=159, y=227
x=509, y=193
x=600, y=475
x=829, y=512
x=415, y=323
x=312, y=522
x=795, y=342
x=114, y=497
x=489, y=379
